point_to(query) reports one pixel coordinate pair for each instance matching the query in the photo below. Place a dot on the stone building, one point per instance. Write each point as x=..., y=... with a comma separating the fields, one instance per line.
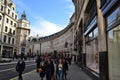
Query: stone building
x=97, y=37
x=23, y=32
x=12, y=30
x=60, y=42
x=8, y=24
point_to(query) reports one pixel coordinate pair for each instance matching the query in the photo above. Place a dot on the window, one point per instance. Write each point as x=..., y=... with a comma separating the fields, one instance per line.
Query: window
x=12, y=14
x=13, y=8
x=112, y=17
x=1, y=8
x=9, y=39
x=13, y=40
x=10, y=30
x=4, y=38
x=7, y=20
x=14, y=32
x=15, y=16
x=114, y=52
x=11, y=23
x=0, y=17
x=8, y=11
x=6, y=28
x=14, y=24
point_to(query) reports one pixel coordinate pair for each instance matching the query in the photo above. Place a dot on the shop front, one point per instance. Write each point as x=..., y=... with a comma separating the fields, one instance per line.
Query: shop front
x=91, y=47
x=113, y=30
x=7, y=52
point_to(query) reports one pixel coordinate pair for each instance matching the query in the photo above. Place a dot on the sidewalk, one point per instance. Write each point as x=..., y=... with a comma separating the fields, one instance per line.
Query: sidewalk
x=74, y=73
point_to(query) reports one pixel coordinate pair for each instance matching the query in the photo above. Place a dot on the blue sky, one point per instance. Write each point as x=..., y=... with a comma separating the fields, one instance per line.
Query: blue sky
x=46, y=16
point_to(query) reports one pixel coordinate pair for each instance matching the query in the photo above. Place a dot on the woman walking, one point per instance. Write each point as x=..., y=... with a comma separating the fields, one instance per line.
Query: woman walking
x=60, y=70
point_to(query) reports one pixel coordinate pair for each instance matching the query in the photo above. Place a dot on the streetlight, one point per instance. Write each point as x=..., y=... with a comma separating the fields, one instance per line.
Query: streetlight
x=40, y=48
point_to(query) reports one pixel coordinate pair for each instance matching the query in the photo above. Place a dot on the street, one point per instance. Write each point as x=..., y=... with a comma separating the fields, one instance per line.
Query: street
x=7, y=71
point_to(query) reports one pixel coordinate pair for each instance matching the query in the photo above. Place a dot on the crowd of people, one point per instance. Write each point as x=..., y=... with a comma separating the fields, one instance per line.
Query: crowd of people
x=51, y=66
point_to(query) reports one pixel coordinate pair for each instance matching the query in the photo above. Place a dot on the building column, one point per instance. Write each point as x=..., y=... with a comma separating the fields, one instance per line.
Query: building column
x=103, y=55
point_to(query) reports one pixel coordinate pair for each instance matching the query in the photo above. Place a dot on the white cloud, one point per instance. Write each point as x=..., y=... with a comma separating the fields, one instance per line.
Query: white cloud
x=44, y=27
x=70, y=11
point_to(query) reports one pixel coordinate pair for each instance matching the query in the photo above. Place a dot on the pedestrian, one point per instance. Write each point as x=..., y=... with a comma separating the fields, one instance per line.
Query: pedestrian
x=60, y=69
x=65, y=68
x=49, y=69
x=38, y=61
x=20, y=68
x=42, y=70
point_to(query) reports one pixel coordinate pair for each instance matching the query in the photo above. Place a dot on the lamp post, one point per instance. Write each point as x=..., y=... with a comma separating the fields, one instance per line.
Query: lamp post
x=40, y=48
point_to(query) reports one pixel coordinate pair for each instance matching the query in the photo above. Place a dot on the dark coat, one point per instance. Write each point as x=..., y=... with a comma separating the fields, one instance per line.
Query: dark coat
x=49, y=69
x=38, y=61
x=65, y=67
x=20, y=66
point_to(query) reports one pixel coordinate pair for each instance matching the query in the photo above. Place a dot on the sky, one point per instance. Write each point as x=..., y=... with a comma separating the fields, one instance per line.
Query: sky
x=46, y=16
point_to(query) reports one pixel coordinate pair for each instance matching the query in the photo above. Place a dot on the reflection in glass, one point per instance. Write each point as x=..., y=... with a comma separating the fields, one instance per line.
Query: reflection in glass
x=112, y=17
x=114, y=53
x=92, y=55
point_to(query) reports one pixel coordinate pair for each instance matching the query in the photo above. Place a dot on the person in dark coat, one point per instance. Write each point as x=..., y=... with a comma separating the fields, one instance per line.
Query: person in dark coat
x=38, y=61
x=20, y=68
x=65, y=68
x=49, y=69
x=42, y=72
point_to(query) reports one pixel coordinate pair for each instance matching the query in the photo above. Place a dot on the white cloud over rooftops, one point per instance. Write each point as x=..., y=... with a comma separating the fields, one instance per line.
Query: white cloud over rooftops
x=44, y=27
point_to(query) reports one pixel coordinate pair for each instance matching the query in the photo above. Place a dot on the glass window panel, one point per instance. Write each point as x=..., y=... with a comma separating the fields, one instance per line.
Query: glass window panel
x=96, y=32
x=112, y=17
x=114, y=53
x=92, y=57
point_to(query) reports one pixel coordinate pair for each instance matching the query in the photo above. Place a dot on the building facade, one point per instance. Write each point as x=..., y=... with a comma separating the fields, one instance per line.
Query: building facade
x=97, y=37
x=10, y=28
x=60, y=42
x=8, y=24
x=23, y=32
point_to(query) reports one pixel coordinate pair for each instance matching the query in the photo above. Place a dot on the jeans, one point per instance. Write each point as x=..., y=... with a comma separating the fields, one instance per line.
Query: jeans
x=60, y=75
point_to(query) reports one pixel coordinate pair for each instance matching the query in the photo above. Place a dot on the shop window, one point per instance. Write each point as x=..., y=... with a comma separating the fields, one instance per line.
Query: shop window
x=92, y=55
x=114, y=53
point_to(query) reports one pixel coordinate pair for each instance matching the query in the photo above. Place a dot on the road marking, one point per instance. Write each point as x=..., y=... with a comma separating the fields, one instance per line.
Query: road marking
x=15, y=78
x=14, y=68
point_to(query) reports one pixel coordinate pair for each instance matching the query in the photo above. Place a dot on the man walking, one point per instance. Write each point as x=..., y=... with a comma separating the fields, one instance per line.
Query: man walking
x=20, y=68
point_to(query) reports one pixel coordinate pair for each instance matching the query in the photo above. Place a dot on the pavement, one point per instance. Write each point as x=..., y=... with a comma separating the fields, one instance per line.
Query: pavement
x=74, y=73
